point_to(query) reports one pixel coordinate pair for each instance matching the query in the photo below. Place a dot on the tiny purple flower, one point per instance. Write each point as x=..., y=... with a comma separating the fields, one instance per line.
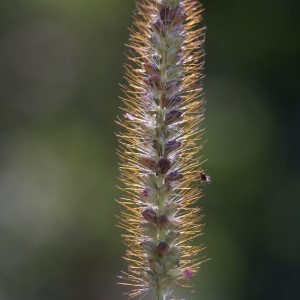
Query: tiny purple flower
x=188, y=273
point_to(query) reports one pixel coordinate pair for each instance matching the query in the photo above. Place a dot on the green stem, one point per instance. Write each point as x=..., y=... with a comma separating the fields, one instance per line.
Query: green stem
x=161, y=198
x=160, y=294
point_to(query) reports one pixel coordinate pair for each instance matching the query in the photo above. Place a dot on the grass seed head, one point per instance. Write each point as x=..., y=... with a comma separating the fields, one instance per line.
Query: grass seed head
x=159, y=146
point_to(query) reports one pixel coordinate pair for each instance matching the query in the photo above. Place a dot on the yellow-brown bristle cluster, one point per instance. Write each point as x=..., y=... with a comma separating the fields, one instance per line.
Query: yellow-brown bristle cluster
x=157, y=150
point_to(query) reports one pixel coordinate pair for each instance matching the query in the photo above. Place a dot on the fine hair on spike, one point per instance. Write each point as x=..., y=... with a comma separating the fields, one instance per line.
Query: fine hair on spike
x=159, y=148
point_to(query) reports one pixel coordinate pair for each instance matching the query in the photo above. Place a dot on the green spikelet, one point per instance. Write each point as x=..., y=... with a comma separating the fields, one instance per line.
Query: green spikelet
x=163, y=110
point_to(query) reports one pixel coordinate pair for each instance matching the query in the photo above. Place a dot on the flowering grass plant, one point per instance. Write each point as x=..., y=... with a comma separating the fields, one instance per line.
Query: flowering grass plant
x=158, y=148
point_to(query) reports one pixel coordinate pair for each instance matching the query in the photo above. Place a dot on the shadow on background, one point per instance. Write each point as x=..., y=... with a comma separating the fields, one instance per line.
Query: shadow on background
x=60, y=65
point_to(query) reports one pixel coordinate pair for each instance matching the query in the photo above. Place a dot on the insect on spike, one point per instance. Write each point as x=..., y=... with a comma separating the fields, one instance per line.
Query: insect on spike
x=205, y=177
x=166, y=15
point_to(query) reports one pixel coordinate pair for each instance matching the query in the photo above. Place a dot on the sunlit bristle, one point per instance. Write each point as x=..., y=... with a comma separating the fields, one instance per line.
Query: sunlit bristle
x=159, y=145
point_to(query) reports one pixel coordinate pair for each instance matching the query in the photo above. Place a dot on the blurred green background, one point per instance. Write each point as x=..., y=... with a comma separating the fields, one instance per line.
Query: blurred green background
x=60, y=65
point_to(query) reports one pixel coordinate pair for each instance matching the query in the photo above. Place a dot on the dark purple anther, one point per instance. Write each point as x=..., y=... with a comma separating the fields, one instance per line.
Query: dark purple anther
x=171, y=146
x=172, y=117
x=151, y=68
x=154, y=81
x=175, y=101
x=174, y=175
x=167, y=14
x=145, y=193
x=163, y=222
x=163, y=166
x=150, y=215
x=162, y=249
x=158, y=26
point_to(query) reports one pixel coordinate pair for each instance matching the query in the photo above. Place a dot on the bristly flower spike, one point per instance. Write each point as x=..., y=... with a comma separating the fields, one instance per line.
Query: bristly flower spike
x=159, y=167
